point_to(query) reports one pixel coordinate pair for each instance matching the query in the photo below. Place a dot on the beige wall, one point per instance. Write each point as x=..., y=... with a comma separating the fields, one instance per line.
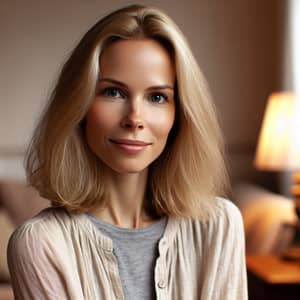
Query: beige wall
x=235, y=42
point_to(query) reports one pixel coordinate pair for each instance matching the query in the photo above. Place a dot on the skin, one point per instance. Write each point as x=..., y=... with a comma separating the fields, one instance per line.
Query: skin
x=129, y=122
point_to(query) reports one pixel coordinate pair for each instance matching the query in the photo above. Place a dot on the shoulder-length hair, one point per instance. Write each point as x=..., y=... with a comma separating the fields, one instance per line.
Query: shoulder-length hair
x=189, y=173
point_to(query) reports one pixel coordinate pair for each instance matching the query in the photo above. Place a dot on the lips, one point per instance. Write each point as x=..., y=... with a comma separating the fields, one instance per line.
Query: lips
x=130, y=142
x=130, y=146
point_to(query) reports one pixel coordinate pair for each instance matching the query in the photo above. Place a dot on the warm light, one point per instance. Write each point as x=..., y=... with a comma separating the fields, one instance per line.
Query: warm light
x=279, y=142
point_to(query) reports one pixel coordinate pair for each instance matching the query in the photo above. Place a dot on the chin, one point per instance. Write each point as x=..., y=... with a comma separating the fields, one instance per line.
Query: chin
x=131, y=170
x=128, y=168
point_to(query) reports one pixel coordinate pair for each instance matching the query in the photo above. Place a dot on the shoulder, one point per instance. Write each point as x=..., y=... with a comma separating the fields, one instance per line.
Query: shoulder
x=225, y=217
x=227, y=211
x=41, y=258
x=47, y=218
x=223, y=223
x=37, y=233
x=228, y=220
x=222, y=211
x=225, y=229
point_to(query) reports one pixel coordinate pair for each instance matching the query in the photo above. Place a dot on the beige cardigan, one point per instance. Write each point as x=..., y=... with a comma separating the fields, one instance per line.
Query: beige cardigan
x=58, y=255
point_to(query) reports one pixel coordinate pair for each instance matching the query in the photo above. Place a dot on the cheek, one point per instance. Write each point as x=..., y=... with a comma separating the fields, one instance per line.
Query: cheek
x=93, y=122
x=99, y=119
x=97, y=123
x=162, y=123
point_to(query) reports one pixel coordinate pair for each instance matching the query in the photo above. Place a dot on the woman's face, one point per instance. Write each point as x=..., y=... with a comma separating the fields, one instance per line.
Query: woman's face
x=133, y=112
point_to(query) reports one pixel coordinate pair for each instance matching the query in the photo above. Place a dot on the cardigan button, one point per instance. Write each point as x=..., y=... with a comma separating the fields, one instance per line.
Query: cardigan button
x=161, y=284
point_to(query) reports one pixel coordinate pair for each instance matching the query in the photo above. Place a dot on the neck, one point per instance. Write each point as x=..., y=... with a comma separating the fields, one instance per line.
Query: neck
x=126, y=199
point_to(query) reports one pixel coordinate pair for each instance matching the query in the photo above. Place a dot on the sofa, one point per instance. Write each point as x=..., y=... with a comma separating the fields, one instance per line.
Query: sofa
x=263, y=214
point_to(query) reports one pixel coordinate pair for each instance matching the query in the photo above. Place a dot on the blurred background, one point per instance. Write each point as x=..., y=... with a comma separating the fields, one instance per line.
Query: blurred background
x=245, y=48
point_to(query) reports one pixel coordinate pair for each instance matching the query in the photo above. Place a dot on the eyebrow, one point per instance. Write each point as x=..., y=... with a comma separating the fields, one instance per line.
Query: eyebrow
x=163, y=86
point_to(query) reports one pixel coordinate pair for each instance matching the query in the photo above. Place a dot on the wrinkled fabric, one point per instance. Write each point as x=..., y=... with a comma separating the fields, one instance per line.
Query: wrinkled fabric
x=58, y=255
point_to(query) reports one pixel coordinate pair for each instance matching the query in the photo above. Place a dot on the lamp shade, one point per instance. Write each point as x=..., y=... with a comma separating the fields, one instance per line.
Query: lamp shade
x=279, y=141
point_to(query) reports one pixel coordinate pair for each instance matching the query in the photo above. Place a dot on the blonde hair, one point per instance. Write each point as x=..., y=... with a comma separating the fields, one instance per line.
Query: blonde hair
x=190, y=172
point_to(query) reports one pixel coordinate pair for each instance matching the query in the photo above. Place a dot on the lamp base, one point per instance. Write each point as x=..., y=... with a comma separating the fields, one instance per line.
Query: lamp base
x=292, y=253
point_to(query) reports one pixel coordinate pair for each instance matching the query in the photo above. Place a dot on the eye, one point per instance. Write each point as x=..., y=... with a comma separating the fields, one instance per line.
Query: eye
x=112, y=92
x=158, y=98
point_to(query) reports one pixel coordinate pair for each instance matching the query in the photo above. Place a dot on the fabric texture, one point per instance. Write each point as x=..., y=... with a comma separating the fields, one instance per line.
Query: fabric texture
x=136, y=251
x=58, y=255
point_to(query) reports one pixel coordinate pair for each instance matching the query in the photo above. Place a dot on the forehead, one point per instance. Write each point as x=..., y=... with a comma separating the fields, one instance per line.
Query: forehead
x=143, y=59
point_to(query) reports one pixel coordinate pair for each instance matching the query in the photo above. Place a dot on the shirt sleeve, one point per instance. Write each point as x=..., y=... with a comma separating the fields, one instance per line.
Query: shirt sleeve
x=36, y=268
x=231, y=274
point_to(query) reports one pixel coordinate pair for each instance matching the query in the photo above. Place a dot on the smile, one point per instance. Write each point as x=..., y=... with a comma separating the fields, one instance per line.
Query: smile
x=130, y=146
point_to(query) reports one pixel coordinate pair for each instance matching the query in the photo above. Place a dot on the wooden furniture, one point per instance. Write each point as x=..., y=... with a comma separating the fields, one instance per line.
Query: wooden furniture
x=272, y=278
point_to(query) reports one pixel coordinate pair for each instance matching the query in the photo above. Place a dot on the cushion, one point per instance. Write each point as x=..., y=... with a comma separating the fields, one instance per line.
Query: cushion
x=265, y=215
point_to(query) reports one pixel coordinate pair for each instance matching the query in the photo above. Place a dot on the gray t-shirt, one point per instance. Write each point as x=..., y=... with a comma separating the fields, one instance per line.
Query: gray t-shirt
x=136, y=252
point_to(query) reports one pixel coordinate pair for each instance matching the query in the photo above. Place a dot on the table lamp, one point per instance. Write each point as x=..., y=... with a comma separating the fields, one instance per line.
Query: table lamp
x=278, y=147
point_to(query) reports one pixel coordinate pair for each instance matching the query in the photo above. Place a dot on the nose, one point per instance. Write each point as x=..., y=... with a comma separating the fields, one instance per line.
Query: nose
x=133, y=118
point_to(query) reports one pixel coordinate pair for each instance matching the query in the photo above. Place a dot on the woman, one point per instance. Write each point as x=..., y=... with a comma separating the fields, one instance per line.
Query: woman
x=129, y=151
